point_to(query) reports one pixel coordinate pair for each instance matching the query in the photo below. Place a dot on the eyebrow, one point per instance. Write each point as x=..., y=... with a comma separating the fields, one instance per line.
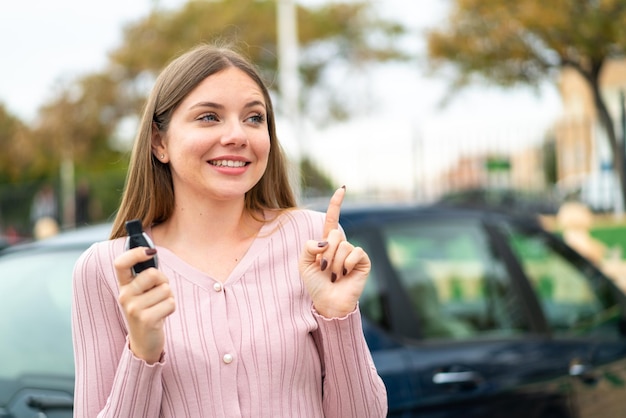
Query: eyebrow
x=219, y=106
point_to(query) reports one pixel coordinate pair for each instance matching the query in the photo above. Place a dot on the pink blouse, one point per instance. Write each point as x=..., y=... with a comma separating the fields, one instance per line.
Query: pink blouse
x=250, y=347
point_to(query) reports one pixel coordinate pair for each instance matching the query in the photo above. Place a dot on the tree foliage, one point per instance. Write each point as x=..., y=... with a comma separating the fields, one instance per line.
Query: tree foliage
x=18, y=153
x=529, y=41
x=83, y=118
x=331, y=35
x=314, y=182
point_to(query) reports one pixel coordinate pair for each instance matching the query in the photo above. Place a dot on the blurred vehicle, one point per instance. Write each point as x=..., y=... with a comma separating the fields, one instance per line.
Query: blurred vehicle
x=4, y=242
x=516, y=201
x=468, y=313
x=36, y=353
x=10, y=237
x=476, y=313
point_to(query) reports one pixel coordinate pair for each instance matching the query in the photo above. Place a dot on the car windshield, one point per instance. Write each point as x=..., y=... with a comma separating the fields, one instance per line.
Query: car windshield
x=35, y=313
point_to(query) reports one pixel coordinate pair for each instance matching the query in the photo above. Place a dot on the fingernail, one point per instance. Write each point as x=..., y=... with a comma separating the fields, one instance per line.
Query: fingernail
x=322, y=244
x=323, y=264
x=333, y=277
x=345, y=271
x=151, y=251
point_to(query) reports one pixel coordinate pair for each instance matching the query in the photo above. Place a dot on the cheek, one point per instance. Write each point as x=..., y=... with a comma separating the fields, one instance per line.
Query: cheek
x=262, y=148
x=188, y=145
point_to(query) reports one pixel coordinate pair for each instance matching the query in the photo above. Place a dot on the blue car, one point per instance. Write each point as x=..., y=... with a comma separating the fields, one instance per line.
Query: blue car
x=468, y=313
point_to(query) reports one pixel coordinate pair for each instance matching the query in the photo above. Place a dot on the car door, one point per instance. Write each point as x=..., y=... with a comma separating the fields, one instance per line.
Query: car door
x=585, y=314
x=36, y=356
x=455, y=334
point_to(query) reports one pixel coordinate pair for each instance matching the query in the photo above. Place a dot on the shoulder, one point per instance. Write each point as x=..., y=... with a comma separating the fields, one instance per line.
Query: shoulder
x=303, y=218
x=295, y=223
x=305, y=215
x=97, y=260
x=104, y=250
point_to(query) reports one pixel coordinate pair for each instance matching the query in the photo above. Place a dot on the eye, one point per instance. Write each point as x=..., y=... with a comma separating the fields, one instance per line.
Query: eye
x=208, y=117
x=257, y=119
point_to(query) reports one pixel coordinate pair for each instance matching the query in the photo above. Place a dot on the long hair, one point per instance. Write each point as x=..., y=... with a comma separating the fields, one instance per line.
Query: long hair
x=149, y=192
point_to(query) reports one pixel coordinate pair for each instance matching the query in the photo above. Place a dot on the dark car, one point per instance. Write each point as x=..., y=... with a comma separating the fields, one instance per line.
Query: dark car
x=513, y=200
x=36, y=354
x=468, y=313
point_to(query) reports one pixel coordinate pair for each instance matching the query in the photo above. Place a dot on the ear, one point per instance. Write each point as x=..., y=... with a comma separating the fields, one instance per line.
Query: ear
x=159, y=148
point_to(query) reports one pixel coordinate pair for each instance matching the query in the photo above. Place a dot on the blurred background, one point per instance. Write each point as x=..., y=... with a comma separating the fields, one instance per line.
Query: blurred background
x=473, y=102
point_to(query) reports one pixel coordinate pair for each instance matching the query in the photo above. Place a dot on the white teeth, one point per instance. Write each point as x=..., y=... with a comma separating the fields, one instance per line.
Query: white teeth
x=228, y=163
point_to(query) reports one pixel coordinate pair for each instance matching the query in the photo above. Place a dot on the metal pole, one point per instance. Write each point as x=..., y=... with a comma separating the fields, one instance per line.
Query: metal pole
x=288, y=76
x=618, y=208
x=68, y=190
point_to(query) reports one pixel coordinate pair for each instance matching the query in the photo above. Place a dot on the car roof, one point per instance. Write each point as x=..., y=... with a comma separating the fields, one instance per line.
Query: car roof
x=79, y=237
x=383, y=212
x=352, y=214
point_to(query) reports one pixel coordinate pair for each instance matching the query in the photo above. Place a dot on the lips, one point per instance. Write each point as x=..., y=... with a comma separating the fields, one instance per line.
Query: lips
x=228, y=163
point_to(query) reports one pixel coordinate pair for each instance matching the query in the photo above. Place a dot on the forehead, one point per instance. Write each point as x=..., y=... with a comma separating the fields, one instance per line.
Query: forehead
x=230, y=82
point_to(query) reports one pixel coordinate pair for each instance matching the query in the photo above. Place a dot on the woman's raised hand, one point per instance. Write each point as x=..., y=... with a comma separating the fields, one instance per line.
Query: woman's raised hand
x=146, y=300
x=333, y=270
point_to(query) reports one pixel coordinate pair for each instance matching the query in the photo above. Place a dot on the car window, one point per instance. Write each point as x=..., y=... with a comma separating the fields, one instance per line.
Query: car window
x=574, y=296
x=370, y=302
x=35, y=313
x=457, y=285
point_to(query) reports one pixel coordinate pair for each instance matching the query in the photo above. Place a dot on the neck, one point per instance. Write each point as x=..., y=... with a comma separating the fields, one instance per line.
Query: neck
x=209, y=222
x=212, y=237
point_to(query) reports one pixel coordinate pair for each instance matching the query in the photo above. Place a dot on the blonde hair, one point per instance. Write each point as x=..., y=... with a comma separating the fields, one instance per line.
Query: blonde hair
x=149, y=193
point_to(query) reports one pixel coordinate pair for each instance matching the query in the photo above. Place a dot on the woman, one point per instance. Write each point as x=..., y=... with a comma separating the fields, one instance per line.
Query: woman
x=252, y=311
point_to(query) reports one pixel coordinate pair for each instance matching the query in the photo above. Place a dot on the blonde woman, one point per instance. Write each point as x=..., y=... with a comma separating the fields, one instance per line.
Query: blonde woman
x=252, y=311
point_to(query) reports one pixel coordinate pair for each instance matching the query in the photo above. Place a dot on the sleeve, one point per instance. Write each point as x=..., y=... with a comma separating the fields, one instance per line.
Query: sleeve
x=351, y=384
x=110, y=381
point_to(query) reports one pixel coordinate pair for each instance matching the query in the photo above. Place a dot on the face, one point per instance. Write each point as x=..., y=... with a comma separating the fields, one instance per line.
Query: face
x=217, y=143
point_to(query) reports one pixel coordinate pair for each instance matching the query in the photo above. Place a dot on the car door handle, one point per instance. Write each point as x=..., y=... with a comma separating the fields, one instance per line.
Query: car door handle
x=584, y=372
x=47, y=402
x=451, y=378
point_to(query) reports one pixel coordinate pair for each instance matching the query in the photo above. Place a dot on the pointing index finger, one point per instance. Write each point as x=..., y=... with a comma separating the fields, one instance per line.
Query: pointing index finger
x=333, y=211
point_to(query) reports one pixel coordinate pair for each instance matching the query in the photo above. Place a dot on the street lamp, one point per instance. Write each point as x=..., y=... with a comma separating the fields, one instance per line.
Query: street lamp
x=288, y=76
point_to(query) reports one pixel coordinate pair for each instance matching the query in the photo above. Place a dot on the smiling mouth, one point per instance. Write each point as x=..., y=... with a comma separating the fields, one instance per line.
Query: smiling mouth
x=228, y=163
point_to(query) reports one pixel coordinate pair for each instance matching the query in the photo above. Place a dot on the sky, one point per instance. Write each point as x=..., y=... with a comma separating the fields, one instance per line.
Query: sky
x=45, y=42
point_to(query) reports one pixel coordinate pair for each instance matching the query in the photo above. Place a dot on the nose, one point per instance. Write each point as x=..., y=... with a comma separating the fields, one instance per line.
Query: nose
x=234, y=134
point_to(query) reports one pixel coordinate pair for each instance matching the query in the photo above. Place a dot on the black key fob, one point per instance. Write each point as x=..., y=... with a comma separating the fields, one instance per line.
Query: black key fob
x=138, y=238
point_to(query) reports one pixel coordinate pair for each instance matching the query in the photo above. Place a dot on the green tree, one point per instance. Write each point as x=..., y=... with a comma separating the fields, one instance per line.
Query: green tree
x=22, y=167
x=529, y=41
x=82, y=120
x=315, y=182
x=80, y=126
x=332, y=35
x=17, y=154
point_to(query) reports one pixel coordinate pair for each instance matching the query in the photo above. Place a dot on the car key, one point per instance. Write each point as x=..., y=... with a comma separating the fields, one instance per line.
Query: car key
x=138, y=238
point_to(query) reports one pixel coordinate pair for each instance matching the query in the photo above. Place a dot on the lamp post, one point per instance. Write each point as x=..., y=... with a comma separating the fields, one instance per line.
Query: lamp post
x=288, y=78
